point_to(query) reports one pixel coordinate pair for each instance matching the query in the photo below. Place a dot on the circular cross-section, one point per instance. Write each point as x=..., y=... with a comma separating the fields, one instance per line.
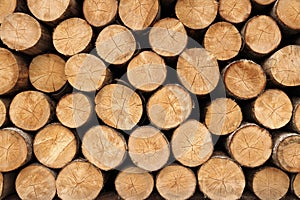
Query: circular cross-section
x=235, y=11
x=7, y=7
x=288, y=12
x=296, y=185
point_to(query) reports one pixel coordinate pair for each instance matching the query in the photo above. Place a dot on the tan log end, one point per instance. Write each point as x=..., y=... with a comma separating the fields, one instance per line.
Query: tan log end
x=169, y=106
x=134, y=184
x=47, y=73
x=250, y=145
x=176, y=182
x=36, y=182
x=196, y=14
x=74, y=110
x=296, y=117
x=244, y=79
x=283, y=66
x=192, y=143
x=55, y=146
x=4, y=108
x=16, y=148
x=223, y=116
x=272, y=109
x=221, y=178
x=147, y=71
x=223, y=40
x=119, y=106
x=262, y=35
x=30, y=110
x=296, y=185
x=87, y=72
x=263, y=2
x=148, y=148
x=115, y=44
x=168, y=37
x=104, y=147
x=198, y=71
x=138, y=15
x=7, y=7
x=235, y=11
x=72, y=36
x=79, y=180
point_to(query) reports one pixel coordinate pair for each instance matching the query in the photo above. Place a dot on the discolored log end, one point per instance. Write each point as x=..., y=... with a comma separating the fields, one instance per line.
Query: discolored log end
x=295, y=185
x=7, y=7
x=235, y=11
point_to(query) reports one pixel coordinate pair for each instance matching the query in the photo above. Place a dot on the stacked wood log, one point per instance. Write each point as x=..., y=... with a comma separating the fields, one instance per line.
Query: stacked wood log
x=118, y=99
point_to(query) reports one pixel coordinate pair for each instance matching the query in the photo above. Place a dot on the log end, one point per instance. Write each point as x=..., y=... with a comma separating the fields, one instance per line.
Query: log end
x=292, y=19
x=235, y=11
x=7, y=7
x=296, y=185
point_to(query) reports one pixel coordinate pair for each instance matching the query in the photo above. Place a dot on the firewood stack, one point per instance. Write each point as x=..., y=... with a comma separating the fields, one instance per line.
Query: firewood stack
x=149, y=99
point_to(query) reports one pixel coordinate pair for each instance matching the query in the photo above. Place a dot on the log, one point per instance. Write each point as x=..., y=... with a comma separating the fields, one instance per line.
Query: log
x=138, y=15
x=55, y=146
x=295, y=121
x=79, y=180
x=176, y=182
x=7, y=183
x=148, y=148
x=147, y=71
x=4, y=107
x=244, y=79
x=23, y=33
x=36, y=182
x=221, y=178
x=74, y=110
x=104, y=147
x=261, y=35
x=223, y=40
x=47, y=73
x=269, y=183
x=87, y=72
x=115, y=44
x=72, y=36
x=31, y=110
x=134, y=183
x=168, y=37
x=195, y=14
x=250, y=145
x=119, y=106
x=14, y=72
x=235, y=11
x=286, y=151
x=7, y=7
x=283, y=66
x=295, y=185
x=192, y=143
x=272, y=109
x=15, y=149
x=198, y=71
x=263, y=2
x=223, y=116
x=169, y=106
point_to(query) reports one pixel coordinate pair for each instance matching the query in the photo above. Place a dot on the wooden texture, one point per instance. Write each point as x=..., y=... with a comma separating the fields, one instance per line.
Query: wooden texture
x=295, y=185
x=7, y=183
x=7, y=7
x=4, y=107
x=263, y=2
x=235, y=11
x=295, y=121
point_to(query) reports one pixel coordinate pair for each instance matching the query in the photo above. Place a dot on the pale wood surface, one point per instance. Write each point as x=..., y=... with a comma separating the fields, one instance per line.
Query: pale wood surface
x=296, y=185
x=4, y=107
x=7, y=7
x=235, y=11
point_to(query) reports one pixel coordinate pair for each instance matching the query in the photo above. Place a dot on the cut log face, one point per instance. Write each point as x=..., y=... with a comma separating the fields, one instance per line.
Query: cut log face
x=104, y=147
x=30, y=110
x=134, y=183
x=235, y=11
x=221, y=178
x=296, y=117
x=79, y=180
x=138, y=15
x=74, y=110
x=17, y=146
x=195, y=14
x=244, y=79
x=176, y=182
x=270, y=183
x=169, y=106
x=87, y=72
x=115, y=44
x=101, y=12
x=283, y=66
x=148, y=148
x=168, y=37
x=118, y=106
x=7, y=7
x=36, y=182
x=55, y=146
x=47, y=73
x=72, y=36
x=192, y=143
x=263, y=2
x=147, y=71
x=296, y=185
x=223, y=40
x=250, y=145
x=3, y=112
x=198, y=71
x=292, y=19
x=273, y=109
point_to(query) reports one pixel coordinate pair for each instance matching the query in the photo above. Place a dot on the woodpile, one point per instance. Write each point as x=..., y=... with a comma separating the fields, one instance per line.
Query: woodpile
x=149, y=99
